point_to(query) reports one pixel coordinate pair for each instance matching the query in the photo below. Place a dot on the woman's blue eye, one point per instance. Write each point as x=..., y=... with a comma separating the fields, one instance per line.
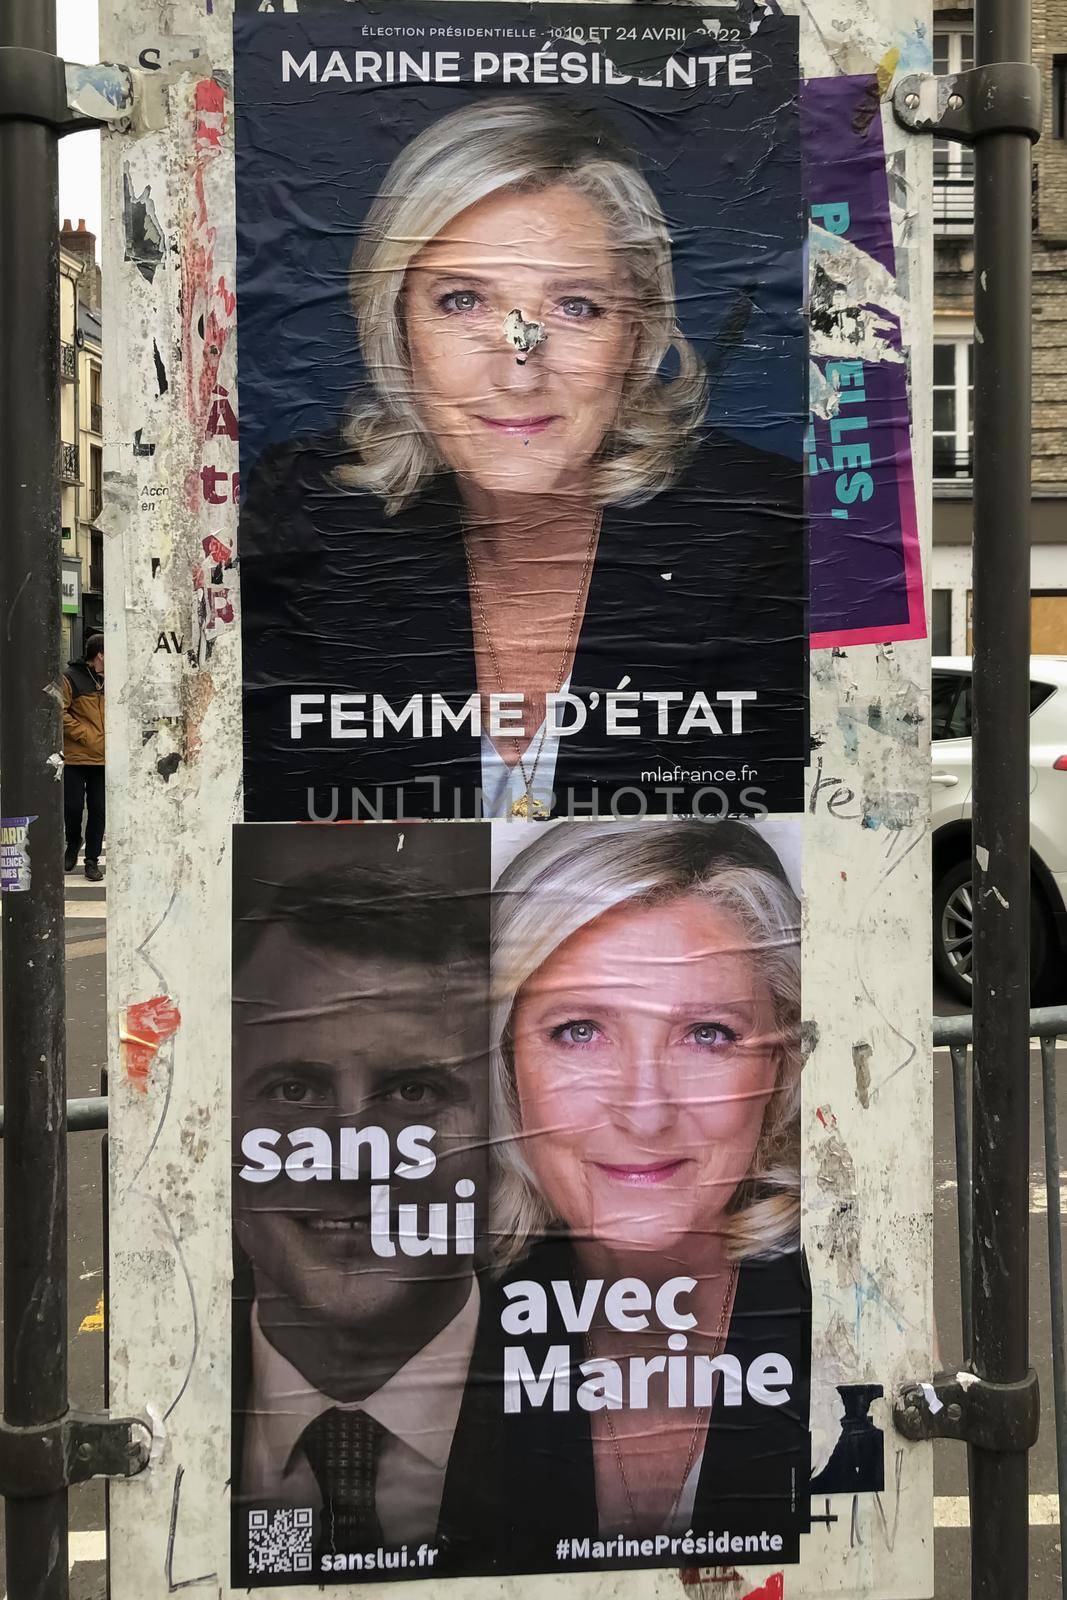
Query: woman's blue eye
x=712, y=1033
x=579, y=310
x=460, y=300
x=576, y=1032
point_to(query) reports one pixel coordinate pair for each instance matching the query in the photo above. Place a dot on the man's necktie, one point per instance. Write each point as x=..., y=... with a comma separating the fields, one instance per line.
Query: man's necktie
x=342, y=1448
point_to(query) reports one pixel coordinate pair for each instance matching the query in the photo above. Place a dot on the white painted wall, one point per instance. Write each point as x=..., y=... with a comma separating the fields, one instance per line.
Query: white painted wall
x=174, y=776
x=950, y=568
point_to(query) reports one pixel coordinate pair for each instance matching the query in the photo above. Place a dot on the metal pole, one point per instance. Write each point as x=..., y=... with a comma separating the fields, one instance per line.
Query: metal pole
x=1055, y=1276
x=964, y=1208
x=1001, y=1092
x=35, y=1166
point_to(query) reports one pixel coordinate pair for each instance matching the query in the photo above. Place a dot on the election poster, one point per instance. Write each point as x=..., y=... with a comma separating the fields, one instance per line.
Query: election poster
x=518, y=1285
x=523, y=396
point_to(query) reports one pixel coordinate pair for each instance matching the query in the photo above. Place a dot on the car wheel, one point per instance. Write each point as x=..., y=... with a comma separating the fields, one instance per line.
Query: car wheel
x=954, y=937
x=954, y=930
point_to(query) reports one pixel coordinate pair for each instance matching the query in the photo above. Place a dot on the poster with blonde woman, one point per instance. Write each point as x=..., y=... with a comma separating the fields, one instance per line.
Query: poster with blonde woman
x=522, y=403
x=518, y=1283
x=645, y=1217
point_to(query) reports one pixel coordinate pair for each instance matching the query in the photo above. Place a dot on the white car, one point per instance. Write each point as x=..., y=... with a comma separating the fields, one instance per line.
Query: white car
x=950, y=777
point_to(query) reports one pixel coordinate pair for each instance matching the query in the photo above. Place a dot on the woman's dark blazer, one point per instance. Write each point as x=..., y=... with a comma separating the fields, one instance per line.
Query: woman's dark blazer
x=756, y=1466
x=703, y=588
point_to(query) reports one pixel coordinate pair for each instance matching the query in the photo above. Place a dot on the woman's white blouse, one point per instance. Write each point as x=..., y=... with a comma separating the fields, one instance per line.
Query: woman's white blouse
x=502, y=785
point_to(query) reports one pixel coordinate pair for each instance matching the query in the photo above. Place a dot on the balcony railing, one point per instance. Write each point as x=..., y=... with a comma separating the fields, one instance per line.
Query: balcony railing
x=96, y=418
x=953, y=203
x=952, y=464
x=68, y=463
x=96, y=503
x=68, y=362
x=954, y=200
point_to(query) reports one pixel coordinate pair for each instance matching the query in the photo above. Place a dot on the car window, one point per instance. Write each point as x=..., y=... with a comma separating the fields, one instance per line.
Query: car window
x=946, y=694
x=959, y=721
x=951, y=704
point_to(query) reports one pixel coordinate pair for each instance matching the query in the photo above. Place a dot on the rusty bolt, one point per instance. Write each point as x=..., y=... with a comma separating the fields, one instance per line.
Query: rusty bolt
x=85, y=1451
x=954, y=1412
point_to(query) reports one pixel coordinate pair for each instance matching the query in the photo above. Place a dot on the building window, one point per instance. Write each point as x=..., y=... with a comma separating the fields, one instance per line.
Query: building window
x=953, y=407
x=953, y=163
x=96, y=407
x=96, y=563
x=941, y=622
x=1059, y=97
x=96, y=482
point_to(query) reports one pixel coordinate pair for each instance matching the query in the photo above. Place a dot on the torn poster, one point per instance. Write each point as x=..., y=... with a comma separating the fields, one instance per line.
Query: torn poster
x=15, y=854
x=522, y=400
x=518, y=1282
x=866, y=574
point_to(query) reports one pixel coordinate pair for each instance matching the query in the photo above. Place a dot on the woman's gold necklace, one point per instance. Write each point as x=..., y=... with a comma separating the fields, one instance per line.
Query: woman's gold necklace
x=527, y=806
x=703, y=1415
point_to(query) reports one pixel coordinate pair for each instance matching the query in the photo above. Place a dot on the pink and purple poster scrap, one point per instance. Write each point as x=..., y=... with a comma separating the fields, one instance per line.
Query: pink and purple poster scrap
x=14, y=855
x=866, y=574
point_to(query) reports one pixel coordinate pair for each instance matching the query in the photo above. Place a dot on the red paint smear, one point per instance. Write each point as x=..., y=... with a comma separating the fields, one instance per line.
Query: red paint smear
x=216, y=549
x=206, y=300
x=149, y=1023
x=773, y=1589
x=210, y=112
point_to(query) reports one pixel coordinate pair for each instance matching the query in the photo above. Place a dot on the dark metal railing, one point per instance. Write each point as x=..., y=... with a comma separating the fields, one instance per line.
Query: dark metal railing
x=68, y=463
x=953, y=202
x=1048, y=1025
x=950, y=463
x=68, y=361
x=83, y=1115
x=96, y=417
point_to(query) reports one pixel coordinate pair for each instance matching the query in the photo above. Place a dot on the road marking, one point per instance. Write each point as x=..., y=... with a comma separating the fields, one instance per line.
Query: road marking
x=1038, y=1193
x=954, y=1511
x=79, y=948
x=94, y=1322
x=89, y=1545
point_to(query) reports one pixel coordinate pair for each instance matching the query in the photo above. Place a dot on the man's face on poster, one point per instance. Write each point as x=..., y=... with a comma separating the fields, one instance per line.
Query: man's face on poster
x=510, y=420
x=329, y=1038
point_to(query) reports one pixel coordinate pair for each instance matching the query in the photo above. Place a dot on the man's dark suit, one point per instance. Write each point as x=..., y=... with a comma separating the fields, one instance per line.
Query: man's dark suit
x=469, y=1505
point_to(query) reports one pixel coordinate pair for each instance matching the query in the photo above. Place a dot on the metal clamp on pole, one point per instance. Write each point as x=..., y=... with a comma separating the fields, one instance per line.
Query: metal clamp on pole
x=960, y=1405
x=49, y=1458
x=965, y=106
x=38, y=87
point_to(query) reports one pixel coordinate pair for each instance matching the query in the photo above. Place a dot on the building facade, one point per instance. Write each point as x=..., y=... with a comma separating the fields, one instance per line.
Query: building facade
x=81, y=436
x=954, y=347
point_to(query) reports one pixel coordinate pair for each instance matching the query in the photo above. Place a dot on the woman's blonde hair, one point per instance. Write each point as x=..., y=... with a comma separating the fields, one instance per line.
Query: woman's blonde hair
x=574, y=874
x=525, y=145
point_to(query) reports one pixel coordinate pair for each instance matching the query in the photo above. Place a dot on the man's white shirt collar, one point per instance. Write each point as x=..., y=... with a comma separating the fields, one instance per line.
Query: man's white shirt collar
x=419, y=1404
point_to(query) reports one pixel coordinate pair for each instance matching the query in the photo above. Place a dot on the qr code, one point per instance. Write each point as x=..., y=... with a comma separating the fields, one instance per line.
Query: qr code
x=279, y=1541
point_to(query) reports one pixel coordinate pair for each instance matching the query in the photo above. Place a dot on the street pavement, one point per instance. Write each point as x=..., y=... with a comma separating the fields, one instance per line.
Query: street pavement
x=86, y=1057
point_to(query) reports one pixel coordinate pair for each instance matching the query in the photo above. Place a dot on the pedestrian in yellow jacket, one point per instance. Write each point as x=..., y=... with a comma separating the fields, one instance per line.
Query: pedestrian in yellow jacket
x=83, y=757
